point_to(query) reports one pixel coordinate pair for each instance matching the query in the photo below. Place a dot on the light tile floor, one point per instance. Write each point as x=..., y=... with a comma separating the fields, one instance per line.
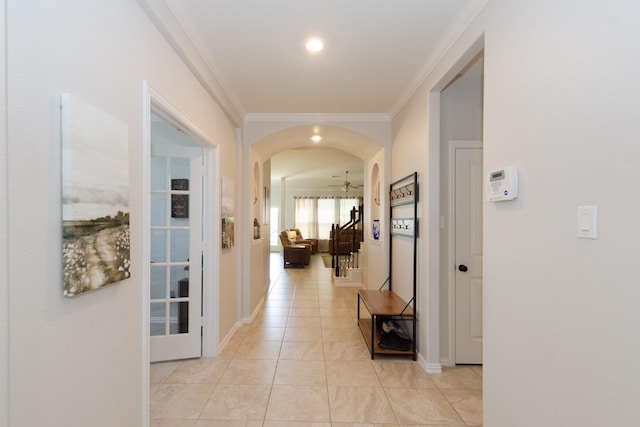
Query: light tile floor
x=302, y=362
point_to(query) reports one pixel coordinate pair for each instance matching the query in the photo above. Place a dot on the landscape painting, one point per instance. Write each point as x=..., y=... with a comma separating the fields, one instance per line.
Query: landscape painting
x=95, y=198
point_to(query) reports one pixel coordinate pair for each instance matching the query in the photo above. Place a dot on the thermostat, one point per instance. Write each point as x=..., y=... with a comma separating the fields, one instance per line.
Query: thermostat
x=502, y=184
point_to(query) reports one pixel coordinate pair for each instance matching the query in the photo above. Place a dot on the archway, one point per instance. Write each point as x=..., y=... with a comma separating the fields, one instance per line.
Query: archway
x=367, y=141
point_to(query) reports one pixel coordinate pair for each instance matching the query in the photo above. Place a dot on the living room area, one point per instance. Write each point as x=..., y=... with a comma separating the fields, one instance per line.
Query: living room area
x=311, y=189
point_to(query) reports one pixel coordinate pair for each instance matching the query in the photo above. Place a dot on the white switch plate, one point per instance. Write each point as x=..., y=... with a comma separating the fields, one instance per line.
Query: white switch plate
x=587, y=227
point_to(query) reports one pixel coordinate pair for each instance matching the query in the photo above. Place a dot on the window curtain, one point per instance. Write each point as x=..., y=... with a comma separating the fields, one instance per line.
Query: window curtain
x=313, y=216
x=345, y=209
x=305, y=218
x=326, y=216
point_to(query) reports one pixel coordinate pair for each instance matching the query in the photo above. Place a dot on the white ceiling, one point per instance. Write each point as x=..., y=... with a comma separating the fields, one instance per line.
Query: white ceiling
x=376, y=51
x=312, y=166
x=376, y=54
x=319, y=168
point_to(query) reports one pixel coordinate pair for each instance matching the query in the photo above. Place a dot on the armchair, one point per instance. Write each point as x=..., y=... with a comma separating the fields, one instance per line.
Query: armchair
x=312, y=242
x=294, y=253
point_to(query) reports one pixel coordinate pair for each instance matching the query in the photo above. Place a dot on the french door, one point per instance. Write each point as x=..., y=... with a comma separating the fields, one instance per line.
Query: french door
x=175, y=270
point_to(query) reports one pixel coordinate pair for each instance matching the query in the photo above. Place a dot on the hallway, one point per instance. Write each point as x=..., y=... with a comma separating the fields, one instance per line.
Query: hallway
x=302, y=362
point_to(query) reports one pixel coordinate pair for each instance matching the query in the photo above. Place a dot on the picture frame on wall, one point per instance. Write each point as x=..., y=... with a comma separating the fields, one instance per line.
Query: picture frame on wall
x=228, y=213
x=95, y=197
x=179, y=206
x=179, y=202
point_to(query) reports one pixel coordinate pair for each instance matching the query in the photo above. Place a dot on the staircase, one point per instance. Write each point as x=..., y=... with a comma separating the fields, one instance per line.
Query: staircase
x=345, y=250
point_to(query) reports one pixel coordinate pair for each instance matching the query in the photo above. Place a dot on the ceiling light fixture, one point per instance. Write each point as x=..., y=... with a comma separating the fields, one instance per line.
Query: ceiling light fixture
x=314, y=45
x=316, y=138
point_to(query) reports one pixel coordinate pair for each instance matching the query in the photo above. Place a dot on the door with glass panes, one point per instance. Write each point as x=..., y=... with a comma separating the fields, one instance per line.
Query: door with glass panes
x=176, y=252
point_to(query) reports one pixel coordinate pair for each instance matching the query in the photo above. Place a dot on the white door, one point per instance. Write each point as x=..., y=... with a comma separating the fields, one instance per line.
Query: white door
x=176, y=252
x=468, y=255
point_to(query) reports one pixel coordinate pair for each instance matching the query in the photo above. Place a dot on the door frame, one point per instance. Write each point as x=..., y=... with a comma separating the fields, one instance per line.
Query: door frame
x=451, y=238
x=431, y=359
x=4, y=225
x=153, y=101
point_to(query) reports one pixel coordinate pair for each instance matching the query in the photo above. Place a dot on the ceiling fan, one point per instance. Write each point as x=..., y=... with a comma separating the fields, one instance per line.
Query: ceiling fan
x=346, y=185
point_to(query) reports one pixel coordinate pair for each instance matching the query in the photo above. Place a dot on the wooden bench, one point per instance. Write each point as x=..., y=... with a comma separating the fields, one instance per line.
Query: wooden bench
x=382, y=304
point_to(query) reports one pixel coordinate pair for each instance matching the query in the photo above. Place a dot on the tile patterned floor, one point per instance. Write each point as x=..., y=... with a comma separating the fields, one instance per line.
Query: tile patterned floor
x=302, y=362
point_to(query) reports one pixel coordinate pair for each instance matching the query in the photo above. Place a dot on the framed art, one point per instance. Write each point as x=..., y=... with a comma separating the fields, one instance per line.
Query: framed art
x=228, y=213
x=95, y=197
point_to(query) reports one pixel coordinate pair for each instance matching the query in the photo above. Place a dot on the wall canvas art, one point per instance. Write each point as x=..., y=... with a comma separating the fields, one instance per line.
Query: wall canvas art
x=228, y=213
x=95, y=197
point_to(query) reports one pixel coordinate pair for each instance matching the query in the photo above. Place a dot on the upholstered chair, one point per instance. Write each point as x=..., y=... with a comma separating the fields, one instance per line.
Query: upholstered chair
x=294, y=253
x=312, y=242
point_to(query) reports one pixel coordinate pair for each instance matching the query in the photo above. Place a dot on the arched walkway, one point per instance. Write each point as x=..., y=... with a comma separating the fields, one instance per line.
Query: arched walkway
x=366, y=137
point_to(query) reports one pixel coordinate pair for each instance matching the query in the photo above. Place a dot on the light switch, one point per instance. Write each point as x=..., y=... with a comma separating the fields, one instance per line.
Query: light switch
x=588, y=222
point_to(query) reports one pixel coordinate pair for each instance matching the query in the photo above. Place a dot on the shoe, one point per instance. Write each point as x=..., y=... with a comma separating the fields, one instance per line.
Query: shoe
x=392, y=341
x=399, y=330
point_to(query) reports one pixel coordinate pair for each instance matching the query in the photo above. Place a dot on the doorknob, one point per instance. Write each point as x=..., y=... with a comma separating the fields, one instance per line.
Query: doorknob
x=462, y=268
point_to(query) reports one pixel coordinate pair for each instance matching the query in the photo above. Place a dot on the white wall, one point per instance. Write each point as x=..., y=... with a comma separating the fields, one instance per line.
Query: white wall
x=78, y=362
x=4, y=275
x=409, y=154
x=562, y=93
x=461, y=109
x=561, y=104
x=259, y=270
x=375, y=263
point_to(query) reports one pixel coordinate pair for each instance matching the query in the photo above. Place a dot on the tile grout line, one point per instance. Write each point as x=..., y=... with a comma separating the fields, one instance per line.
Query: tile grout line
x=266, y=408
x=298, y=286
x=324, y=355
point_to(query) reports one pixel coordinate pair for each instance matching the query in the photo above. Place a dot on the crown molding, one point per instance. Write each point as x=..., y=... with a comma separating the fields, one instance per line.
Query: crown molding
x=165, y=21
x=169, y=27
x=317, y=117
x=461, y=22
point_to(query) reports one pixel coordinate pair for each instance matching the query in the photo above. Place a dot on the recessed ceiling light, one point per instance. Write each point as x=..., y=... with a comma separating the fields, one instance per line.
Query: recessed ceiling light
x=314, y=45
x=316, y=138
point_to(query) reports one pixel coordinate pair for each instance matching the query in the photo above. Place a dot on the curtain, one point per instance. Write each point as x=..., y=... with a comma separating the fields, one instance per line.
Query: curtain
x=345, y=209
x=326, y=217
x=313, y=216
x=305, y=218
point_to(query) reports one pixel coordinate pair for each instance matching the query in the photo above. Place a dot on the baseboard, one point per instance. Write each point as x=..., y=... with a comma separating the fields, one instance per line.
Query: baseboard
x=255, y=311
x=228, y=337
x=239, y=323
x=352, y=280
x=445, y=361
x=430, y=368
x=434, y=368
